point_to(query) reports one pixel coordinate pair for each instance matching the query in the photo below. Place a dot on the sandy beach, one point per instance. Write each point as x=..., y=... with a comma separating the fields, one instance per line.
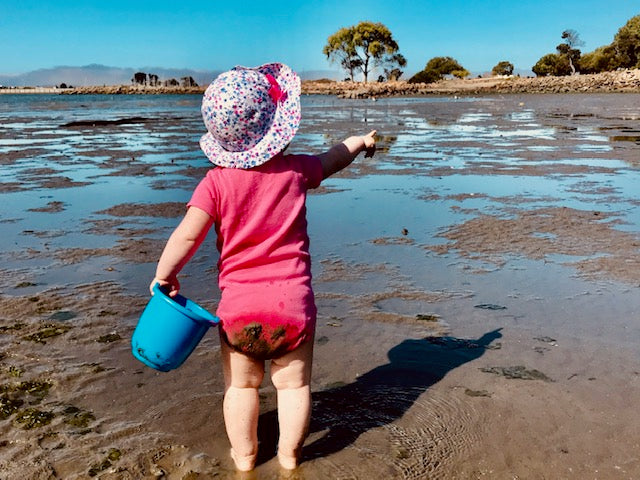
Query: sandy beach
x=477, y=284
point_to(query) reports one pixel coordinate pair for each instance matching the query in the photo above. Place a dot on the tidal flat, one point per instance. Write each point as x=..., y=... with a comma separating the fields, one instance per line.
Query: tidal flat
x=478, y=287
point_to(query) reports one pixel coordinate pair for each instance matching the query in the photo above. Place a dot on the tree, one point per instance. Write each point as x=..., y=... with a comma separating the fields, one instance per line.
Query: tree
x=571, y=40
x=626, y=44
x=188, y=82
x=361, y=47
x=341, y=49
x=564, y=61
x=437, y=68
x=552, y=64
x=602, y=59
x=463, y=73
x=425, y=76
x=139, y=78
x=503, y=68
x=392, y=64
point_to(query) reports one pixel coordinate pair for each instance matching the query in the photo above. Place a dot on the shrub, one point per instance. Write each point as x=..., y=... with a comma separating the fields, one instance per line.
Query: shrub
x=503, y=68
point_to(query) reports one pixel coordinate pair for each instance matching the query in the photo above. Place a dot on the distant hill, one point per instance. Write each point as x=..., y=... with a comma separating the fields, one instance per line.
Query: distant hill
x=92, y=75
x=97, y=75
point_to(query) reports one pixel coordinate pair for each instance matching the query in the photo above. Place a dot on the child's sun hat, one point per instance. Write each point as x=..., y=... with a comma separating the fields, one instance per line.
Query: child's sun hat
x=251, y=114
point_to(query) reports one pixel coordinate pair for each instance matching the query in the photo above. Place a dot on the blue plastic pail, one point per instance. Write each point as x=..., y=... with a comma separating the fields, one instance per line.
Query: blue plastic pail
x=168, y=330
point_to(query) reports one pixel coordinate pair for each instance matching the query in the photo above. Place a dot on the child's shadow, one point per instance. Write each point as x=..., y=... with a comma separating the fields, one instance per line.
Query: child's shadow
x=378, y=397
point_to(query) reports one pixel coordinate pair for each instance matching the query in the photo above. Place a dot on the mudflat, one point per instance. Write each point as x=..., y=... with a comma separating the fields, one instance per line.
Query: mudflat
x=477, y=284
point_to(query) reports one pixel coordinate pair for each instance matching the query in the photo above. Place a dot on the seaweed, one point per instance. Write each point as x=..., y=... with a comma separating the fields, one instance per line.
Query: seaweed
x=14, y=371
x=490, y=306
x=78, y=418
x=476, y=393
x=9, y=406
x=15, y=326
x=108, y=338
x=48, y=330
x=33, y=418
x=96, y=468
x=113, y=455
x=427, y=317
x=38, y=389
x=517, y=372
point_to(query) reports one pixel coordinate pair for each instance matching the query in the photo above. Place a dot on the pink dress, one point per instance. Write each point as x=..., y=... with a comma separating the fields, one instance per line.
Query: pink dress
x=267, y=306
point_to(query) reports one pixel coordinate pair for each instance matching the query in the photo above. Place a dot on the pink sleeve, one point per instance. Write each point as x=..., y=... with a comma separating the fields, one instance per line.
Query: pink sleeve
x=204, y=197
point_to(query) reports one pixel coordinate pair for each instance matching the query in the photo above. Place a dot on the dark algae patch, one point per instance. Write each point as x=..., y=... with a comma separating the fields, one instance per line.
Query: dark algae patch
x=48, y=330
x=109, y=338
x=77, y=418
x=9, y=406
x=476, y=393
x=490, y=306
x=14, y=327
x=33, y=418
x=14, y=371
x=113, y=455
x=35, y=389
x=517, y=372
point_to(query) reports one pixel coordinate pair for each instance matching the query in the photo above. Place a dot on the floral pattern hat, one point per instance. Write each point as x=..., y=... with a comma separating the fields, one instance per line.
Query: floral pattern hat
x=251, y=114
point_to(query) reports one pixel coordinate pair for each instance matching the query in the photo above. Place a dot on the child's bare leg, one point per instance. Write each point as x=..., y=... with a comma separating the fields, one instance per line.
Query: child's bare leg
x=291, y=375
x=242, y=375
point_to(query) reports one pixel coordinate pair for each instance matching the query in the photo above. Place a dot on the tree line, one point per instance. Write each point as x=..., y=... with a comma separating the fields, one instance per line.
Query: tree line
x=152, y=80
x=361, y=48
x=622, y=52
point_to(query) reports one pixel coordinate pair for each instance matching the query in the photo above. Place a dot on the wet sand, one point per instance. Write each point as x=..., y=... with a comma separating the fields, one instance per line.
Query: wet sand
x=477, y=284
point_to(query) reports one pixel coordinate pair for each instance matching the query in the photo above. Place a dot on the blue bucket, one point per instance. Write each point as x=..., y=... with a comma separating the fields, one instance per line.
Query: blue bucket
x=168, y=330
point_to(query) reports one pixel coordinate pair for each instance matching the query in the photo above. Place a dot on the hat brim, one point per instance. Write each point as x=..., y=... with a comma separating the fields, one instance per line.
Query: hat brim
x=282, y=130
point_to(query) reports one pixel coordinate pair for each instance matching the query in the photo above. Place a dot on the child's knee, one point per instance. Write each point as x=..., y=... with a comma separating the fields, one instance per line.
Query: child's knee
x=291, y=377
x=292, y=370
x=243, y=380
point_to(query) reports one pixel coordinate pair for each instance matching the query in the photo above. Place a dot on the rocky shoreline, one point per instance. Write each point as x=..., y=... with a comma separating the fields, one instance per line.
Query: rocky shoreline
x=618, y=81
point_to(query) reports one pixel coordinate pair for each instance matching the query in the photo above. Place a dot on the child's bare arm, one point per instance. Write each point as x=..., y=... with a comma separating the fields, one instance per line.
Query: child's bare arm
x=182, y=244
x=341, y=155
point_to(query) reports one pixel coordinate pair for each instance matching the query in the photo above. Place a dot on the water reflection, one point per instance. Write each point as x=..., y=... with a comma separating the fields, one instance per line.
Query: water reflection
x=494, y=147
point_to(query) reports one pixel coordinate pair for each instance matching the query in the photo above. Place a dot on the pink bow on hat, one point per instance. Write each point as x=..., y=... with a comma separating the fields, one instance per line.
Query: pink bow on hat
x=275, y=92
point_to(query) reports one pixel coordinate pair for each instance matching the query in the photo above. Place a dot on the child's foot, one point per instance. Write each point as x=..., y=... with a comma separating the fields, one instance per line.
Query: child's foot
x=287, y=462
x=243, y=463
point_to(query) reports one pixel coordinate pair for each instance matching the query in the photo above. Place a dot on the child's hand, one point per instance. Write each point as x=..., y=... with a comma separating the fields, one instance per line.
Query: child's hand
x=171, y=287
x=369, y=144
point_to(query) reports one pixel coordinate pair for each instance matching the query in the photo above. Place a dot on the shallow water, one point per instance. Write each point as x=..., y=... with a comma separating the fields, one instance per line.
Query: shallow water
x=508, y=200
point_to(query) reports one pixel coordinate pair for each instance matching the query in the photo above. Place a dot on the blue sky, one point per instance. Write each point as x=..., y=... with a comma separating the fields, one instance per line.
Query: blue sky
x=216, y=35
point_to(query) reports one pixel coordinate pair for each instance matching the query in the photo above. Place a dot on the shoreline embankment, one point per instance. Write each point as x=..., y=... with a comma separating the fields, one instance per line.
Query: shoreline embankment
x=626, y=81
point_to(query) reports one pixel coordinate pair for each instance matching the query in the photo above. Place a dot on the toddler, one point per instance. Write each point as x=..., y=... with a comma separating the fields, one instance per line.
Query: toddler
x=255, y=198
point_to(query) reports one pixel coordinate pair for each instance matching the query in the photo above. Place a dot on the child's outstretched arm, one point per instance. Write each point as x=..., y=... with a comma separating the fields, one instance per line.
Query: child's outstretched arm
x=182, y=244
x=341, y=155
